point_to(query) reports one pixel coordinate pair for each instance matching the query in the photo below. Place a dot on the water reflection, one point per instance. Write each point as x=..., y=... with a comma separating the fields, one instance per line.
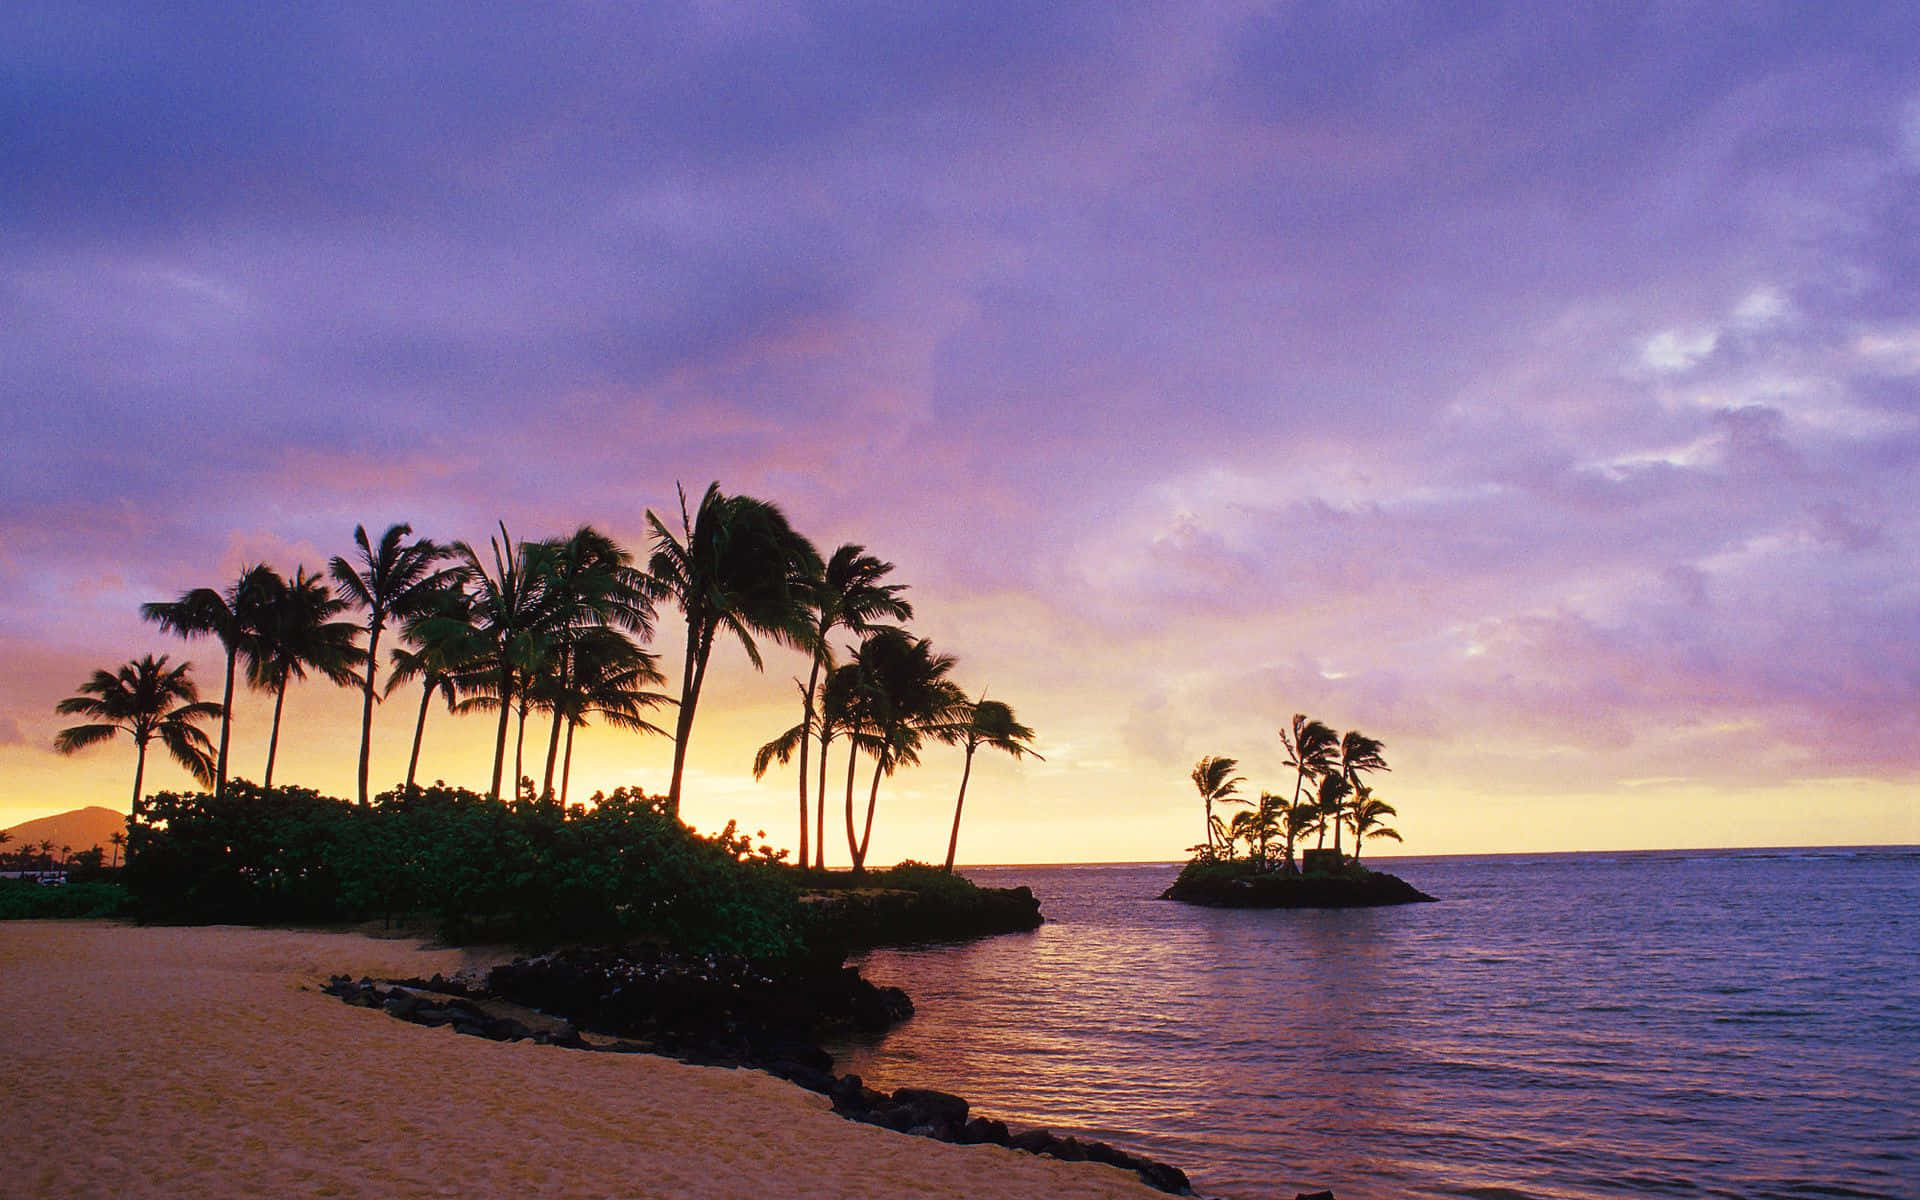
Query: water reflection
x=1544, y=1033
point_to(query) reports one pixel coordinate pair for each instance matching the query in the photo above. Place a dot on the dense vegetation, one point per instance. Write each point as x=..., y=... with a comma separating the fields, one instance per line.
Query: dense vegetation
x=619, y=869
x=552, y=632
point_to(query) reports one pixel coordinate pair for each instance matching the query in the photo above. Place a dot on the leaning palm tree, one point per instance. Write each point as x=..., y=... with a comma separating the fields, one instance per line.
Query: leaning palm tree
x=1369, y=819
x=233, y=617
x=613, y=679
x=509, y=623
x=737, y=566
x=296, y=632
x=394, y=580
x=904, y=694
x=1310, y=749
x=1359, y=755
x=146, y=699
x=1216, y=782
x=992, y=724
x=846, y=594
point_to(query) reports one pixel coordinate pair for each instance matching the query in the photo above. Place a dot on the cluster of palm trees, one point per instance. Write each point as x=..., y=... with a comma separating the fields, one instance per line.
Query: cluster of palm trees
x=1330, y=793
x=556, y=629
x=43, y=855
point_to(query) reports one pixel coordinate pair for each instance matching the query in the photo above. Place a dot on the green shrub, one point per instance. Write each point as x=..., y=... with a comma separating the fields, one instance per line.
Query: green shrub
x=618, y=869
x=23, y=899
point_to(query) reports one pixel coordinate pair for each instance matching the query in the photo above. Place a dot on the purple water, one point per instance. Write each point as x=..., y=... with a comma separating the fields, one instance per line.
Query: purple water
x=1715, y=1023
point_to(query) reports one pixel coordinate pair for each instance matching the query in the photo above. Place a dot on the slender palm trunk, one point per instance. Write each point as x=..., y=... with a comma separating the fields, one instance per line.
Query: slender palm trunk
x=500, y=736
x=820, y=808
x=139, y=770
x=953, y=839
x=690, y=672
x=873, y=797
x=566, y=765
x=226, y=725
x=366, y=701
x=1339, y=819
x=419, y=730
x=273, y=738
x=806, y=737
x=853, y=847
x=519, y=745
x=1209, y=824
x=553, y=738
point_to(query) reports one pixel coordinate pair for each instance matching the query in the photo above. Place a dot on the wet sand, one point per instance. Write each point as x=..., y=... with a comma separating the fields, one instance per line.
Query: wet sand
x=205, y=1062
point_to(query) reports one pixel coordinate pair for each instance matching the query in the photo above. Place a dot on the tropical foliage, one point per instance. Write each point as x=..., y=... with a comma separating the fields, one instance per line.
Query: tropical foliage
x=552, y=631
x=1329, y=796
x=147, y=700
x=618, y=869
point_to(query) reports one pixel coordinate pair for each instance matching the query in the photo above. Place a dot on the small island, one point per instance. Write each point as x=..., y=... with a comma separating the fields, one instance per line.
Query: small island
x=1330, y=794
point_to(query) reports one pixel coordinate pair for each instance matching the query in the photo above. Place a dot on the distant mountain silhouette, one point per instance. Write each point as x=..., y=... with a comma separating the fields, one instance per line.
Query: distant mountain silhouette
x=82, y=828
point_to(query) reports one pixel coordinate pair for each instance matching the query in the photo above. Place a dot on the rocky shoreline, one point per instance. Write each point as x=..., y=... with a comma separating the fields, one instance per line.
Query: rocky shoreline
x=850, y=919
x=719, y=1011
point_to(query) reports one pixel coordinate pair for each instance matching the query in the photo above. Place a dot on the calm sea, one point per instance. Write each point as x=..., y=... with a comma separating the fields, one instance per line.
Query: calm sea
x=1727, y=1023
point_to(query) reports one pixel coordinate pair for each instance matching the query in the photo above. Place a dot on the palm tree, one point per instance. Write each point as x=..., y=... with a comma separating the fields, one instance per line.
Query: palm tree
x=1267, y=822
x=1369, y=819
x=988, y=723
x=148, y=700
x=903, y=694
x=1215, y=781
x=297, y=631
x=116, y=839
x=1331, y=800
x=509, y=624
x=847, y=594
x=1310, y=748
x=592, y=587
x=611, y=678
x=233, y=617
x=442, y=645
x=739, y=567
x=1359, y=755
x=394, y=580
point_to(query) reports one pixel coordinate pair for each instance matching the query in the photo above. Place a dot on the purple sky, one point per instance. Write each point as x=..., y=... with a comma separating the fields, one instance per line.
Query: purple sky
x=1535, y=388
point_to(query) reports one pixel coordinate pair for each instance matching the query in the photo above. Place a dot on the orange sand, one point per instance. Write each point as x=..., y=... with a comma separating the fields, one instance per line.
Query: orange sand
x=205, y=1062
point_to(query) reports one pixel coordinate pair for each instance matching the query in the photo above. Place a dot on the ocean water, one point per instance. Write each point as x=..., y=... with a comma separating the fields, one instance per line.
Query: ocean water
x=1714, y=1024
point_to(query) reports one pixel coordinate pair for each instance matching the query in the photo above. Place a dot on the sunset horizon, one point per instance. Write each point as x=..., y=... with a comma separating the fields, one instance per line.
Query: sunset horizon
x=1531, y=394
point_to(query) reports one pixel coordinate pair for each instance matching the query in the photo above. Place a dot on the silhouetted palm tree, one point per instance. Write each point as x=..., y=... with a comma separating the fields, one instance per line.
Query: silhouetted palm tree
x=442, y=644
x=510, y=623
x=296, y=632
x=1216, y=782
x=991, y=724
x=116, y=839
x=847, y=594
x=395, y=580
x=233, y=617
x=145, y=699
x=1331, y=800
x=1359, y=755
x=592, y=586
x=737, y=566
x=1310, y=749
x=611, y=679
x=903, y=693
x=1369, y=819
x=1267, y=822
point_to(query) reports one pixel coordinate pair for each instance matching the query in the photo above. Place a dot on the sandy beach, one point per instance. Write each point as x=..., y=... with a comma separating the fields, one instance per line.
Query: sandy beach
x=141, y=1062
